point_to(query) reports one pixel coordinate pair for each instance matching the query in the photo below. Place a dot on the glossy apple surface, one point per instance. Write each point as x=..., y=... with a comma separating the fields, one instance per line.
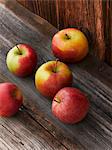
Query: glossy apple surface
x=70, y=105
x=21, y=60
x=51, y=77
x=10, y=99
x=70, y=45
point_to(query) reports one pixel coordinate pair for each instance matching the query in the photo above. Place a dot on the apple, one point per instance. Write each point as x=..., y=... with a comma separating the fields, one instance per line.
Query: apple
x=51, y=77
x=10, y=99
x=21, y=60
x=70, y=45
x=70, y=105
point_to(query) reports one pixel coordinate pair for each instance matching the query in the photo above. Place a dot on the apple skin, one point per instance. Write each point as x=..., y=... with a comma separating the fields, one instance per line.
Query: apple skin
x=21, y=60
x=10, y=99
x=70, y=45
x=70, y=105
x=51, y=77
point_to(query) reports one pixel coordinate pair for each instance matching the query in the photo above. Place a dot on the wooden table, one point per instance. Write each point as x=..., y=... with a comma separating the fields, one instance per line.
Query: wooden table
x=34, y=127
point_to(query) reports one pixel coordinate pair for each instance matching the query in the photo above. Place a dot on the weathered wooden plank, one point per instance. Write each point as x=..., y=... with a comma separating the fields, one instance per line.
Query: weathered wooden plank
x=22, y=132
x=107, y=8
x=43, y=8
x=95, y=131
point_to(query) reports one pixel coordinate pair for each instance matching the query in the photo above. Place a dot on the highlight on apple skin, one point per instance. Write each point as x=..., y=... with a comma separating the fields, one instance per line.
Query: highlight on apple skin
x=11, y=99
x=21, y=60
x=51, y=77
x=70, y=105
x=70, y=45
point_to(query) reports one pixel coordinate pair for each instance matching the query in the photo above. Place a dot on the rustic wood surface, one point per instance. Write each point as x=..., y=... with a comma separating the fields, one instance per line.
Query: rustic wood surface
x=23, y=133
x=95, y=15
x=18, y=25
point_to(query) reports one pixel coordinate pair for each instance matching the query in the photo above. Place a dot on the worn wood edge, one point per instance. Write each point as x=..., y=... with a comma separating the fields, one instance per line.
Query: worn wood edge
x=35, y=19
x=45, y=9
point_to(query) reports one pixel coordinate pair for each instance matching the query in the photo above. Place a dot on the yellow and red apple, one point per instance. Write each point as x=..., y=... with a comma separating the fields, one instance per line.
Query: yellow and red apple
x=70, y=105
x=21, y=60
x=51, y=77
x=10, y=99
x=70, y=45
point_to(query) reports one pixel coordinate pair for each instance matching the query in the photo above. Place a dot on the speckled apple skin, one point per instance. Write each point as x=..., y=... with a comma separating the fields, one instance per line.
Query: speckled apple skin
x=70, y=105
x=49, y=83
x=22, y=65
x=70, y=50
x=10, y=99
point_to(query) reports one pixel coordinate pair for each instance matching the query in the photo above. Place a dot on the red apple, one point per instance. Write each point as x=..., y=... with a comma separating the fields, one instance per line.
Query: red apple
x=51, y=77
x=70, y=105
x=10, y=99
x=21, y=60
x=70, y=45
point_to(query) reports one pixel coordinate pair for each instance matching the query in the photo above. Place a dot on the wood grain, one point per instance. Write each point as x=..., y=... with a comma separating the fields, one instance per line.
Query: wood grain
x=88, y=15
x=95, y=131
x=22, y=132
x=95, y=15
x=44, y=8
x=107, y=7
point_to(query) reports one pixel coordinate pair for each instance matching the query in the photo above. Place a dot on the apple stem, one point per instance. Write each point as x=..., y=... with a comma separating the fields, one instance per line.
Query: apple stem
x=56, y=100
x=18, y=49
x=55, y=68
x=67, y=36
